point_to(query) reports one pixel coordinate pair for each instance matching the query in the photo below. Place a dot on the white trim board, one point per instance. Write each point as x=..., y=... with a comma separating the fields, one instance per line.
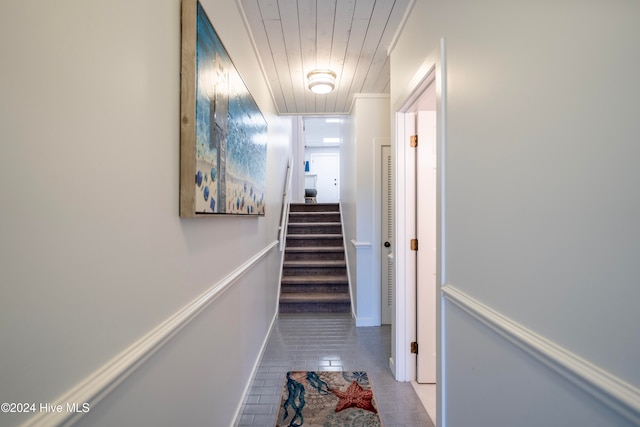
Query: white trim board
x=105, y=379
x=619, y=396
x=367, y=95
x=400, y=29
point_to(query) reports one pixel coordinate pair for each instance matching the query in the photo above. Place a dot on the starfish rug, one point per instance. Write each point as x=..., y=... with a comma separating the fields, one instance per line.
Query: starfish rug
x=327, y=399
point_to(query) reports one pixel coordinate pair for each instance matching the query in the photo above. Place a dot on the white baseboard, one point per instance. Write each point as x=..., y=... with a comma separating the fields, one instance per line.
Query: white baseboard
x=104, y=380
x=618, y=395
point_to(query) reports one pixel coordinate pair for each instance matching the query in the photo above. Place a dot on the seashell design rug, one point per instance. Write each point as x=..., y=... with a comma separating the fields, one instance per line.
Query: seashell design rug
x=327, y=399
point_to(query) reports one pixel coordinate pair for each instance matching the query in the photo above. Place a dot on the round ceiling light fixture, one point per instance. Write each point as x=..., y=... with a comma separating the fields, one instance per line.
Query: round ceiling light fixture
x=321, y=81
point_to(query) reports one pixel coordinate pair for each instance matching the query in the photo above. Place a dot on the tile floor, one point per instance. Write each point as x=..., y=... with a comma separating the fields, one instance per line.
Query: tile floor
x=329, y=342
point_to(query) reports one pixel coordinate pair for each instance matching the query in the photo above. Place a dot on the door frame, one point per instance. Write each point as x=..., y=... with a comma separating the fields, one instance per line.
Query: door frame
x=403, y=362
x=426, y=232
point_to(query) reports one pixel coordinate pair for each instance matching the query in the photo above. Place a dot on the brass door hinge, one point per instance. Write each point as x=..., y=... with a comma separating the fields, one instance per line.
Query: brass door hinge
x=413, y=141
x=414, y=244
x=414, y=347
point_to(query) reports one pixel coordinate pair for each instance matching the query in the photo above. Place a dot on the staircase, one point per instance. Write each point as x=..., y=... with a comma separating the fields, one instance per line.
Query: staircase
x=314, y=272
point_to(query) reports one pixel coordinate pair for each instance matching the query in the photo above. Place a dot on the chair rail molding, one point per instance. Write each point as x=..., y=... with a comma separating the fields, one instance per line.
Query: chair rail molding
x=620, y=396
x=106, y=378
x=361, y=245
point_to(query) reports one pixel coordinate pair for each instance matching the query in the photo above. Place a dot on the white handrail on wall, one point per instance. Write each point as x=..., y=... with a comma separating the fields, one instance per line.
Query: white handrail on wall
x=284, y=216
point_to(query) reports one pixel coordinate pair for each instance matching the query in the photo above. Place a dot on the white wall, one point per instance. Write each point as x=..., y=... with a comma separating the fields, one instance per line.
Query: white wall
x=309, y=151
x=541, y=203
x=93, y=255
x=297, y=145
x=369, y=123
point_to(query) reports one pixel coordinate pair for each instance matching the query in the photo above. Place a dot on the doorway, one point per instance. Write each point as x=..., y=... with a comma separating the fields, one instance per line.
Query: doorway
x=417, y=208
x=419, y=233
x=326, y=167
x=323, y=137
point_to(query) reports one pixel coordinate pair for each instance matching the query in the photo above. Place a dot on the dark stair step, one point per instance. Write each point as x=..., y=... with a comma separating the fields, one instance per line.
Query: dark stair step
x=319, y=280
x=314, y=272
x=306, y=240
x=315, y=303
x=314, y=207
x=314, y=228
x=316, y=263
x=314, y=253
x=295, y=217
x=314, y=297
x=314, y=268
x=311, y=287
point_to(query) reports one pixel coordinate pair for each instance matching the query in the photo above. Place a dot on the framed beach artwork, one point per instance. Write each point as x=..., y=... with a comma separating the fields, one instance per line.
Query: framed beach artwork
x=223, y=135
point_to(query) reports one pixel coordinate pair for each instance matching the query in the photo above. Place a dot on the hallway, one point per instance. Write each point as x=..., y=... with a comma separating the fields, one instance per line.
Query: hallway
x=330, y=343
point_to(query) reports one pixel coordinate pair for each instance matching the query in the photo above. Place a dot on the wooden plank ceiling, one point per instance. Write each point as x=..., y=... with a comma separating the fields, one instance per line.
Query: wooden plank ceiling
x=349, y=37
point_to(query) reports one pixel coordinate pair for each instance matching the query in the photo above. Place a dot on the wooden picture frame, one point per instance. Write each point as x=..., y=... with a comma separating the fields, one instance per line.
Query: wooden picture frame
x=223, y=134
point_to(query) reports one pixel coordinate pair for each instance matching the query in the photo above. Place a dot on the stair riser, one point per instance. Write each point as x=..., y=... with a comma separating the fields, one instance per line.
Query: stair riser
x=313, y=256
x=305, y=287
x=314, y=217
x=306, y=280
x=315, y=308
x=300, y=243
x=314, y=229
x=314, y=271
x=314, y=207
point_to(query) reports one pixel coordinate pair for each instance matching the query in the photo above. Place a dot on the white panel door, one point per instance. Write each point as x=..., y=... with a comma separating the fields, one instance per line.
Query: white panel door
x=327, y=168
x=426, y=234
x=386, y=234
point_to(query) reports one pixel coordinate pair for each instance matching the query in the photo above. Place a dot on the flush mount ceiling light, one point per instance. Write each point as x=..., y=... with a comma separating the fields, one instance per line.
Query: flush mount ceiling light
x=321, y=81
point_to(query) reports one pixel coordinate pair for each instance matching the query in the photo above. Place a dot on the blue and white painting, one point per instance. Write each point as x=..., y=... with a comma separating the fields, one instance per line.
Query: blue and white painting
x=231, y=133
